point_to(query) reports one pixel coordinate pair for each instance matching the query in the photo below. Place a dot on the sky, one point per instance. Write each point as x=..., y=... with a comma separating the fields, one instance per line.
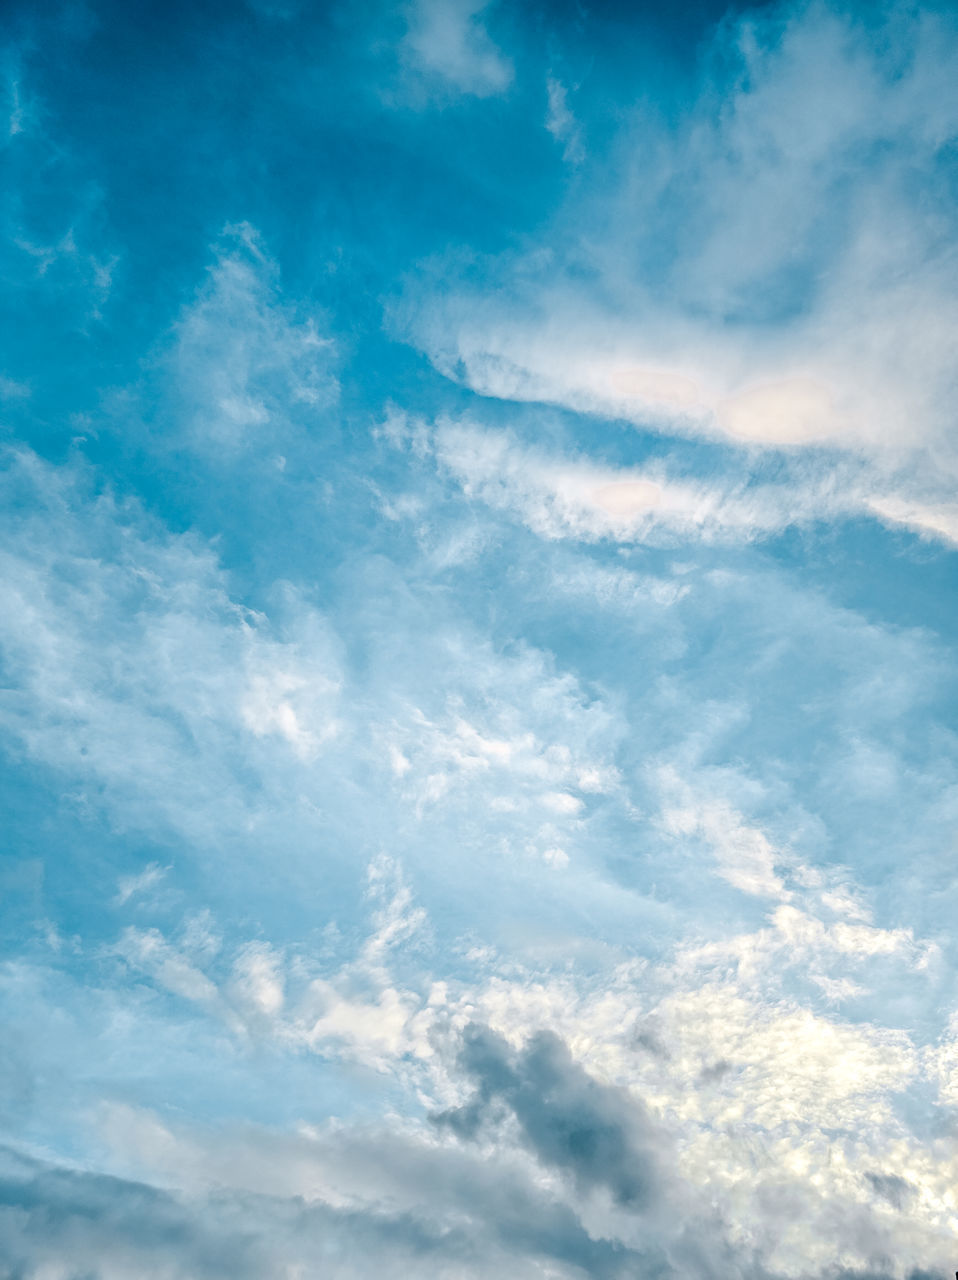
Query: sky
x=477, y=640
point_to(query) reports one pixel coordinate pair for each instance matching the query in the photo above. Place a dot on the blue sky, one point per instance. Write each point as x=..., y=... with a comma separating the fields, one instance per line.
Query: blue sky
x=478, y=640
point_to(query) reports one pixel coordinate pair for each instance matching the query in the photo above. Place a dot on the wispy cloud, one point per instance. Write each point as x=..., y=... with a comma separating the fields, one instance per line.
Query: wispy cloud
x=801, y=294
x=560, y=121
x=448, y=46
x=246, y=368
x=562, y=496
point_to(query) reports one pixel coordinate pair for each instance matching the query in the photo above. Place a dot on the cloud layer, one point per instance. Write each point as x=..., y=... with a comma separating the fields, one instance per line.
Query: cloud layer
x=477, y=675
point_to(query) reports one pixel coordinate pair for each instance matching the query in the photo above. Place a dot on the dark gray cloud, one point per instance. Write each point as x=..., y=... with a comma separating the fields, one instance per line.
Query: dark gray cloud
x=99, y=1225
x=85, y=1226
x=477, y=1214
x=891, y=1187
x=511, y=1225
x=597, y=1133
x=916, y=1273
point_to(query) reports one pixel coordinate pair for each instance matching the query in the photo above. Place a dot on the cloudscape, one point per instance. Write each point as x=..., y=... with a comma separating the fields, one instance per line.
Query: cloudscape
x=479, y=501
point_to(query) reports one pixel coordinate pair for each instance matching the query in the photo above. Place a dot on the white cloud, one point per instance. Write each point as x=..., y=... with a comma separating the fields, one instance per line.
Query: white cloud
x=574, y=497
x=290, y=703
x=171, y=967
x=130, y=886
x=10, y=389
x=743, y=854
x=561, y=123
x=931, y=521
x=556, y=857
x=519, y=742
x=447, y=41
x=155, y=714
x=395, y=919
x=15, y=109
x=616, y=590
x=803, y=295
x=257, y=981
x=247, y=368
